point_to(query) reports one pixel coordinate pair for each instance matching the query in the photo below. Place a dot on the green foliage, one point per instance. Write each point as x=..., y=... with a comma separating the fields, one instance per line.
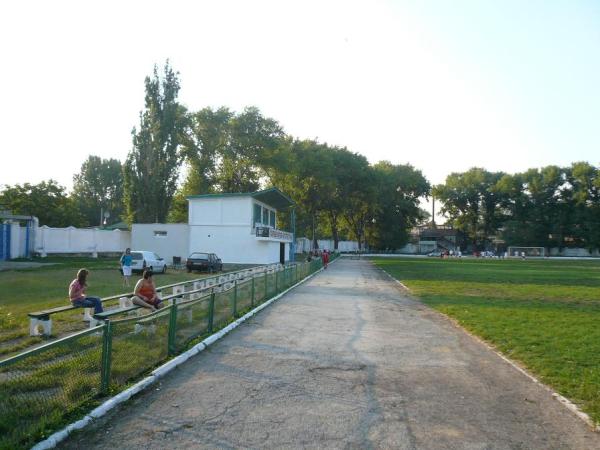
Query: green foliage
x=471, y=202
x=551, y=206
x=99, y=187
x=398, y=188
x=152, y=167
x=47, y=201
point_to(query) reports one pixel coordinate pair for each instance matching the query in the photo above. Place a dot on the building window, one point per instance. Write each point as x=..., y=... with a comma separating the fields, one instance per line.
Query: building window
x=257, y=214
x=272, y=218
x=265, y=216
x=160, y=234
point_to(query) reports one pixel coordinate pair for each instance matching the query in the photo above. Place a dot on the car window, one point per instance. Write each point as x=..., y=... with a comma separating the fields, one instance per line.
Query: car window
x=136, y=256
x=199, y=256
x=156, y=256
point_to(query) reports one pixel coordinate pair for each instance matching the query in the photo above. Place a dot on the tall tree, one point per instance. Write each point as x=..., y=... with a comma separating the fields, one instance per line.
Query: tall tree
x=99, y=187
x=399, y=188
x=471, y=203
x=252, y=152
x=151, y=170
x=48, y=201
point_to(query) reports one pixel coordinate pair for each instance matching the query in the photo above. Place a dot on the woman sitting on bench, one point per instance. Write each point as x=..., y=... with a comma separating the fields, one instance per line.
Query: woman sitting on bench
x=77, y=293
x=145, y=293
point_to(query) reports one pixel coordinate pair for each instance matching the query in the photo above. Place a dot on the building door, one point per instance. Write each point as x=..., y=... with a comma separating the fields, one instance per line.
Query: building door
x=282, y=252
x=4, y=242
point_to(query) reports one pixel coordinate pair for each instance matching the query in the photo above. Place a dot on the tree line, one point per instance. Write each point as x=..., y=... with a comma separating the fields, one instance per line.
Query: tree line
x=176, y=152
x=548, y=207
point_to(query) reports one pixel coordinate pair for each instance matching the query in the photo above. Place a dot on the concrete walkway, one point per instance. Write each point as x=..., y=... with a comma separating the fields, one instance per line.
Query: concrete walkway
x=344, y=361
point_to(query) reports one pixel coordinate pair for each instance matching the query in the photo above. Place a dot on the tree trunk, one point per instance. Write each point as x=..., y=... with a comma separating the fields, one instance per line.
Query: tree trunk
x=334, y=229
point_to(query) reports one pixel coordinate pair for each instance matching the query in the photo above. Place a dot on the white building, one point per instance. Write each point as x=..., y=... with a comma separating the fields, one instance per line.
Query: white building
x=239, y=228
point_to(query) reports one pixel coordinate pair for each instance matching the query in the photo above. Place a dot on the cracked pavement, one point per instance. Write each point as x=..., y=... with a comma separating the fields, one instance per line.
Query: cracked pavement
x=346, y=360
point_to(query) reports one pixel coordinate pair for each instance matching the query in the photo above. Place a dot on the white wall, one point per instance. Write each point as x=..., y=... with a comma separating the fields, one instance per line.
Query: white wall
x=343, y=246
x=233, y=211
x=75, y=240
x=234, y=244
x=175, y=243
x=17, y=241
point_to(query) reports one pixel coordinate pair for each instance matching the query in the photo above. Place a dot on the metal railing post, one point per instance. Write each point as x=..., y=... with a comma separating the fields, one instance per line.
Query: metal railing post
x=252, y=298
x=266, y=287
x=276, y=281
x=211, y=310
x=235, y=294
x=172, y=346
x=106, y=358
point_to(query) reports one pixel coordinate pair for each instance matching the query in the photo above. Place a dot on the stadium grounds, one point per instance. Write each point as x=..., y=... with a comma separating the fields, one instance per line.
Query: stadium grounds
x=39, y=288
x=543, y=314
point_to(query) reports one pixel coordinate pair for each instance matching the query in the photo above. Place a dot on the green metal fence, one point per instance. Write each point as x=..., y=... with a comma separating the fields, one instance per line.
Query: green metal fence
x=43, y=388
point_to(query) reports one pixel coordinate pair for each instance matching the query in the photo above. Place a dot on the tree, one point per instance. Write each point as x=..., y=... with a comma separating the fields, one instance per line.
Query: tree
x=251, y=153
x=399, y=188
x=99, y=187
x=471, y=202
x=151, y=170
x=47, y=201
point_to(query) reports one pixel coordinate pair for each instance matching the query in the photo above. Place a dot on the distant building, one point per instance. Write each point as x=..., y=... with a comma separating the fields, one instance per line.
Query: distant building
x=440, y=237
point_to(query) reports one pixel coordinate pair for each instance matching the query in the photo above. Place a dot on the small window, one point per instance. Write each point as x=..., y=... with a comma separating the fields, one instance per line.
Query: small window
x=161, y=234
x=272, y=219
x=265, y=216
x=257, y=214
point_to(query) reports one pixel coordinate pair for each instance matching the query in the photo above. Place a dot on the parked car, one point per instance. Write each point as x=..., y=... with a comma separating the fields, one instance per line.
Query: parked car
x=142, y=259
x=204, y=261
x=435, y=253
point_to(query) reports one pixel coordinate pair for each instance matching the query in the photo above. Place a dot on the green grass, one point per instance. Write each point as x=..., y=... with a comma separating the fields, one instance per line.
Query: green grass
x=28, y=290
x=543, y=313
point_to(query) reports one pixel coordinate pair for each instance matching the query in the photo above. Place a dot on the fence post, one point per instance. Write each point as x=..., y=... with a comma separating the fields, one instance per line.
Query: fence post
x=252, y=298
x=211, y=310
x=106, y=358
x=172, y=347
x=276, y=281
x=266, y=287
x=235, y=294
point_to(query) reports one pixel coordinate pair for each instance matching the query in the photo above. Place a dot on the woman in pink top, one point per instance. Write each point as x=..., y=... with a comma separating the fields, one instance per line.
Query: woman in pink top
x=77, y=293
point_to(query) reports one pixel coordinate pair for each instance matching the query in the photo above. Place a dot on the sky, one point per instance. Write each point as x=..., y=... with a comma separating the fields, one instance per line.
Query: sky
x=441, y=85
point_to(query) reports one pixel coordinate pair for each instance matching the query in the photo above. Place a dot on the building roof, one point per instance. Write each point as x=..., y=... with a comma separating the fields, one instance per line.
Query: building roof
x=272, y=197
x=118, y=226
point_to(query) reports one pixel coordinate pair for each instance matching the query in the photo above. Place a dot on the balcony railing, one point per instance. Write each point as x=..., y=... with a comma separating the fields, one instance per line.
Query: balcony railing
x=271, y=234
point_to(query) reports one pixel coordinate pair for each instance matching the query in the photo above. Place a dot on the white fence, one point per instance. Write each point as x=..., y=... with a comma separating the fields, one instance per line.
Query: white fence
x=303, y=245
x=76, y=240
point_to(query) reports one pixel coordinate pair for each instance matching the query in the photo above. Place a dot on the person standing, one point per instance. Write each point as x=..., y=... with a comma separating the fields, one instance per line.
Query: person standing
x=78, y=296
x=126, y=266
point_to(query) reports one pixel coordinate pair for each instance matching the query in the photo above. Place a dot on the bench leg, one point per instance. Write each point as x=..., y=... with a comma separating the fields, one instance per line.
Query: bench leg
x=87, y=314
x=35, y=324
x=139, y=328
x=95, y=323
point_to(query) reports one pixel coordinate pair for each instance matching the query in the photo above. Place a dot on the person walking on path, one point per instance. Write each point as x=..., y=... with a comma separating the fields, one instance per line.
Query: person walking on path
x=325, y=257
x=145, y=293
x=78, y=296
x=126, y=266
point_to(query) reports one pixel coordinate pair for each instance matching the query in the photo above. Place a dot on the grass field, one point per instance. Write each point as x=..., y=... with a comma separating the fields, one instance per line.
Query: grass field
x=27, y=290
x=543, y=313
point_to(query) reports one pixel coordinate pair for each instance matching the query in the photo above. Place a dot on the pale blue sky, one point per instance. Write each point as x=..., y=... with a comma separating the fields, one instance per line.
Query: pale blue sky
x=443, y=85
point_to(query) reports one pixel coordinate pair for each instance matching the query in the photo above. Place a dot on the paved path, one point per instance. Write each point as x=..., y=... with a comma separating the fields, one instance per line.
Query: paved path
x=344, y=361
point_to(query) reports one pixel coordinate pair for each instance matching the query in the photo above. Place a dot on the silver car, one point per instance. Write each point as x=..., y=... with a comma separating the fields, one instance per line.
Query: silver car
x=142, y=259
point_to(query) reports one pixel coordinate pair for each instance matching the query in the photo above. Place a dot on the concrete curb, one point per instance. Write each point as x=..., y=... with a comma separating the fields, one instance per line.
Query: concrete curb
x=54, y=439
x=572, y=407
